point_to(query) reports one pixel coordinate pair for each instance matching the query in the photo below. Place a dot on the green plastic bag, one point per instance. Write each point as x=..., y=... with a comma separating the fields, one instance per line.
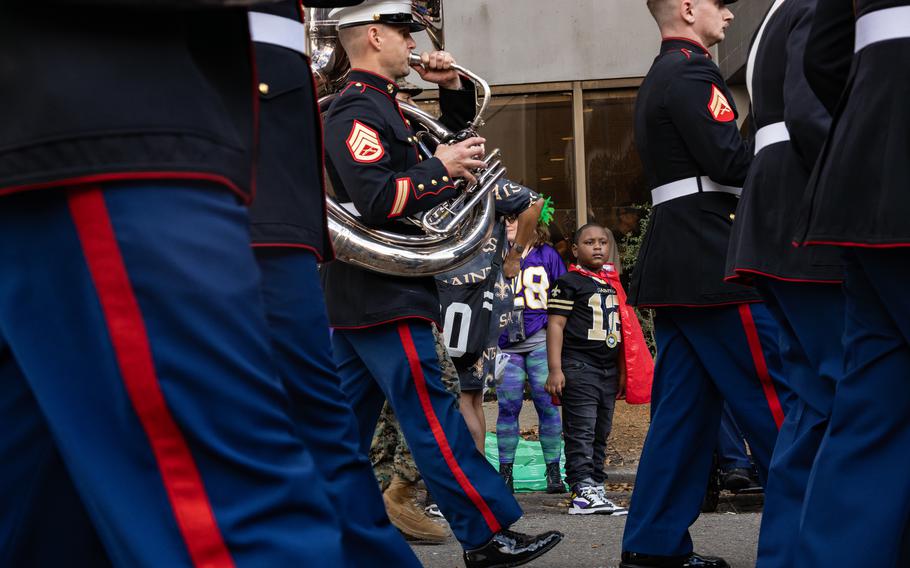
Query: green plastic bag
x=529, y=471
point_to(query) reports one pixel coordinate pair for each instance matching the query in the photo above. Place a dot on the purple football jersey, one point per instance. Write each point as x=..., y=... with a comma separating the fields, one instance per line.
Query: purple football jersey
x=539, y=270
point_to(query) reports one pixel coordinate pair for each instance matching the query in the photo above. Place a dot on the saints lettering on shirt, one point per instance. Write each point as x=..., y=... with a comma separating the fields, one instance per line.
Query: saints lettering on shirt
x=593, y=328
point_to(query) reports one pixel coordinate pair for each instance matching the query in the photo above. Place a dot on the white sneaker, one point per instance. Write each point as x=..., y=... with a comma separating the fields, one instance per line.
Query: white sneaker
x=611, y=507
x=586, y=501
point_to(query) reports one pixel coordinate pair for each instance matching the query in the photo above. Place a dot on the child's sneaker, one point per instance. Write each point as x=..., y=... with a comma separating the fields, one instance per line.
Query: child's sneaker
x=611, y=507
x=586, y=501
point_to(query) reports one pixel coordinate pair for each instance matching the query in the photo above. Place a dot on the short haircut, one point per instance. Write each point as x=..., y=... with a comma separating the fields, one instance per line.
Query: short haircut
x=352, y=40
x=586, y=226
x=662, y=10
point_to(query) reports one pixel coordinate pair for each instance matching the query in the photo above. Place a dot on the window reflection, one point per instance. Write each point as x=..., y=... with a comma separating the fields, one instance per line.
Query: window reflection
x=534, y=132
x=615, y=178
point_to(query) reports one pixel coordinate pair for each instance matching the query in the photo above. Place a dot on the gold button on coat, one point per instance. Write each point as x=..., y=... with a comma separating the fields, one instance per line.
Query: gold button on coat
x=264, y=88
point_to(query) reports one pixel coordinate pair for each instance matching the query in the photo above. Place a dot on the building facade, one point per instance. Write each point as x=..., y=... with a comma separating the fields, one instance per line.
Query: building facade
x=565, y=76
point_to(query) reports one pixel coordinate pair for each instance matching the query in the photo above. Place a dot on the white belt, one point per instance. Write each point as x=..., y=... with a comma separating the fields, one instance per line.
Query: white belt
x=283, y=32
x=882, y=25
x=688, y=186
x=771, y=134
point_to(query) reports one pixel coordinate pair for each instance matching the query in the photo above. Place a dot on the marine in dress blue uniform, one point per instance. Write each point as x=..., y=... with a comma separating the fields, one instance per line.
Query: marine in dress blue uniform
x=855, y=510
x=133, y=342
x=288, y=229
x=801, y=286
x=711, y=335
x=383, y=341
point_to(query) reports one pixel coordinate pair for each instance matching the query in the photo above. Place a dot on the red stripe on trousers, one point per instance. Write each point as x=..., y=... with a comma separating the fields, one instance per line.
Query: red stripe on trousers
x=129, y=338
x=761, y=367
x=420, y=382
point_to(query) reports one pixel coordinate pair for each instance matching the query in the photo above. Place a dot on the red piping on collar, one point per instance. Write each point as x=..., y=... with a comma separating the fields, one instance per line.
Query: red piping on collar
x=383, y=77
x=692, y=41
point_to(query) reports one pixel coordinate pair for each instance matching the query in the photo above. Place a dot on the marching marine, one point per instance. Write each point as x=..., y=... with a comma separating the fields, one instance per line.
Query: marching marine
x=711, y=335
x=383, y=340
x=801, y=286
x=858, y=201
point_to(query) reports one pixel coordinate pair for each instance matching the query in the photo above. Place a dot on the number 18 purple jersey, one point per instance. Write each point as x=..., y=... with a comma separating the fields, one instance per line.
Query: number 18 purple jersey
x=539, y=271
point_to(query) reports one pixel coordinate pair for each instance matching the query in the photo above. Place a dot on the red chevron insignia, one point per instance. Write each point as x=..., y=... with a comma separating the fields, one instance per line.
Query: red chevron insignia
x=364, y=144
x=719, y=107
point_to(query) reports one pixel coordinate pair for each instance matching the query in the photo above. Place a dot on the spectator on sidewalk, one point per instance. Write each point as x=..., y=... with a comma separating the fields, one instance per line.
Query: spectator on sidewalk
x=524, y=341
x=586, y=370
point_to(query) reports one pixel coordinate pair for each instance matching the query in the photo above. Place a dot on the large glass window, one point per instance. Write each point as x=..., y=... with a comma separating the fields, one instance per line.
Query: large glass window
x=615, y=178
x=534, y=133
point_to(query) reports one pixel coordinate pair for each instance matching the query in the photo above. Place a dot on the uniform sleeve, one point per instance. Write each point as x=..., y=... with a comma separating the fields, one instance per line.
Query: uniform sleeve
x=807, y=119
x=561, y=298
x=359, y=145
x=829, y=50
x=513, y=198
x=706, y=119
x=458, y=106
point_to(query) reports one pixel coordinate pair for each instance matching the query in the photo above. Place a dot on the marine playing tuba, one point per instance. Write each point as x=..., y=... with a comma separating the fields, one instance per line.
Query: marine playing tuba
x=452, y=232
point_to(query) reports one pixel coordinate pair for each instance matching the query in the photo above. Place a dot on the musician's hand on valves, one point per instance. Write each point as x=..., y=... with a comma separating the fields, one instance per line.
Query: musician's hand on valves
x=461, y=158
x=436, y=67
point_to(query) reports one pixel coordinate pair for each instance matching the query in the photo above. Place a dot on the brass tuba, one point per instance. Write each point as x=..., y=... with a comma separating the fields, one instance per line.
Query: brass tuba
x=453, y=231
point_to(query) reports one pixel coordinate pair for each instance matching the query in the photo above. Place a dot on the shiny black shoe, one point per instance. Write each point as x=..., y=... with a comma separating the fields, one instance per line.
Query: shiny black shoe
x=638, y=560
x=736, y=479
x=508, y=548
x=505, y=470
x=554, y=479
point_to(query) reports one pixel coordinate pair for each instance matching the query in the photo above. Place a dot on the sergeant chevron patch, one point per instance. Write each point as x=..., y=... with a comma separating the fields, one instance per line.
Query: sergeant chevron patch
x=364, y=145
x=719, y=107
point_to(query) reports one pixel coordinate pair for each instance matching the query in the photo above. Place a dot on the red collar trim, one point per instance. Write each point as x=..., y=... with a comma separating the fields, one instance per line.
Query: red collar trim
x=603, y=274
x=688, y=40
x=377, y=75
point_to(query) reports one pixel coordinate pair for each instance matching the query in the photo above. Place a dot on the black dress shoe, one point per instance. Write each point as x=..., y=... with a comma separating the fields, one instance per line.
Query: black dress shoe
x=736, y=479
x=637, y=560
x=508, y=548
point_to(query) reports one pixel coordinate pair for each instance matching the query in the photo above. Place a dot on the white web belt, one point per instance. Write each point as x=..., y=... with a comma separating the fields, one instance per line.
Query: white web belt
x=771, y=134
x=688, y=186
x=882, y=25
x=283, y=32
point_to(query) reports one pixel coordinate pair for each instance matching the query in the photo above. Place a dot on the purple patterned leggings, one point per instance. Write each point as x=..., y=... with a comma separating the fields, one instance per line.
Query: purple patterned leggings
x=533, y=367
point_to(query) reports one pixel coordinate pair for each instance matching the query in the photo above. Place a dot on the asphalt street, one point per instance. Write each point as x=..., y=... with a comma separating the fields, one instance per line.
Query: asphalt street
x=594, y=541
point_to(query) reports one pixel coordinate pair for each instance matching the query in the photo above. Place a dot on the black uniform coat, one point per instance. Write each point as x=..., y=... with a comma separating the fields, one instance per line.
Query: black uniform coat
x=762, y=239
x=289, y=209
x=685, y=127
x=829, y=52
x=859, y=194
x=92, y=93
x=373, y=162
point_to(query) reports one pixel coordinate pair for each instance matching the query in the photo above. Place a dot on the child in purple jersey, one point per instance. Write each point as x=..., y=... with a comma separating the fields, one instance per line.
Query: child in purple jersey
x=524, y=340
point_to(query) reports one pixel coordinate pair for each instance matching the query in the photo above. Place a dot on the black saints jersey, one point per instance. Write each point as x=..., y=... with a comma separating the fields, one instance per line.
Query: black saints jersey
x=592, y=333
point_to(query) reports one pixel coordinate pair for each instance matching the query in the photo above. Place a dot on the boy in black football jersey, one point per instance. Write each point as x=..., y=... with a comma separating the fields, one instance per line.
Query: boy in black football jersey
x=586, y=369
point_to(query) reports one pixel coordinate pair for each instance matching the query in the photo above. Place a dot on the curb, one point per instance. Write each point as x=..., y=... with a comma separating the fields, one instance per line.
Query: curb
x=621, y=474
